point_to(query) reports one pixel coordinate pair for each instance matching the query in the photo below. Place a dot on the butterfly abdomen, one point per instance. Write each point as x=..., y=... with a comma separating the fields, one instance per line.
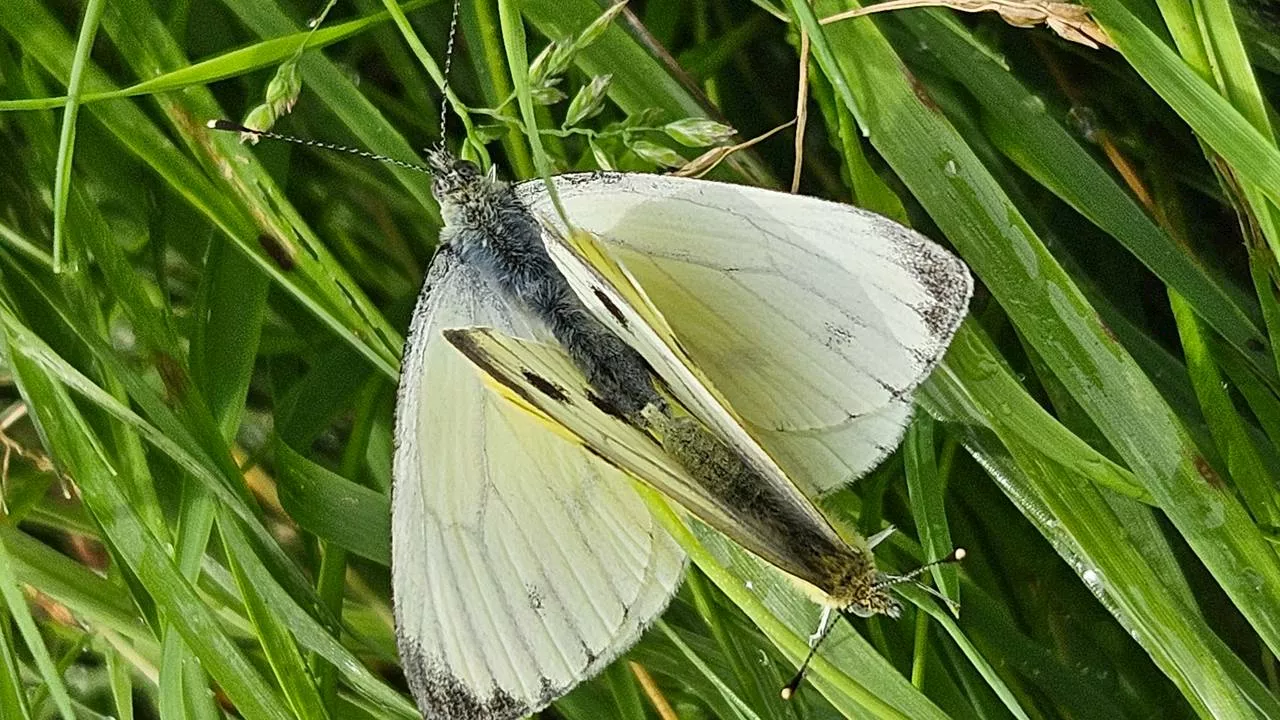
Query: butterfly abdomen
x=791, y=539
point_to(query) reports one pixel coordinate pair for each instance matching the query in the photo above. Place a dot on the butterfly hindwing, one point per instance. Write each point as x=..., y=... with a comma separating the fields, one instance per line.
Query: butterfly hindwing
x=521, y=564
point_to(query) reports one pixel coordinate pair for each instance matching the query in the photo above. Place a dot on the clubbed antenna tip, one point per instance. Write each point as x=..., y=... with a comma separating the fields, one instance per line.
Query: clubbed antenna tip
x=229, y=126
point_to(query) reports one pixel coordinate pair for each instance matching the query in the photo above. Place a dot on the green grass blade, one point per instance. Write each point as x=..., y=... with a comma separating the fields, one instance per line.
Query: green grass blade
x=926, y=488
x=282, y=654
x=78, y=588
x=760, y=689
x=179, y=601
x=334, y=508
x=850, y=673
x=25, y=246
x=481, y=30
x=433, y=69
x=21, y=614
x=971, y=653
x=227, y=65
x=332, y=295
x=339, y=94
x=739, y=708
x=1244, y=463
x=12, y=694
x=67, y=142
x=643, y=76
x=513, y=40
x=170, y=436
x=1260, y=399
x=309, y=633
x=225, y=336
x=1041, y=299
x=1212, y=117
x=231, y=301
x=121, y=681
x=183, y=683
x=1026, y=131
x=1139, y=580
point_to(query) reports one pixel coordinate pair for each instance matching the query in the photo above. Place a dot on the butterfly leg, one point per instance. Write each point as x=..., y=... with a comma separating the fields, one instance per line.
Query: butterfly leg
x=821, y=632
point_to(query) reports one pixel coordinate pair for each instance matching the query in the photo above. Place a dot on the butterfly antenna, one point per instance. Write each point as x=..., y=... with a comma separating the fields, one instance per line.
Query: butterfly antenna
x=789, y=690
x=448, y=66
x=889, y=581
x=230, y=126
x=954, y=556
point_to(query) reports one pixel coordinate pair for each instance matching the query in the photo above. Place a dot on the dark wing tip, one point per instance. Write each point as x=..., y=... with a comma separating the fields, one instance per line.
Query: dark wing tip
x=441, y=695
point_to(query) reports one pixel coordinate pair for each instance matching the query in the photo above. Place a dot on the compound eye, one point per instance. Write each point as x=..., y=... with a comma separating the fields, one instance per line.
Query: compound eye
x=466, y=167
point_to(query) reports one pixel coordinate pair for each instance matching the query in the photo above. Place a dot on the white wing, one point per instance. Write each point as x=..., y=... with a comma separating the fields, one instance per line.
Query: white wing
x=816, y=320
x=521, y=564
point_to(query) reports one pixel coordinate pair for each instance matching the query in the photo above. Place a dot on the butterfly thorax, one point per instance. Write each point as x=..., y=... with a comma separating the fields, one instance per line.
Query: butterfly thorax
x=854, y=585
x=494, y=232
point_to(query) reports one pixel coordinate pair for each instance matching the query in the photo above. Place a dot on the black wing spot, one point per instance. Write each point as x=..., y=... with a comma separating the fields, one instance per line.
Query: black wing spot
x=604, y=406
x=545, y=386
x=608, y=305
x=838, y=336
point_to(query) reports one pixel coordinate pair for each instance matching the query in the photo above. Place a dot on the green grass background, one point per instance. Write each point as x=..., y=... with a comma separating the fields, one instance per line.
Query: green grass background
x=197, y=404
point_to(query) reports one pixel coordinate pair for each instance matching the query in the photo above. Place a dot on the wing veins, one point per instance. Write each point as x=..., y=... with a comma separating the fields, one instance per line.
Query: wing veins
x=767, y=381
x=555, y=539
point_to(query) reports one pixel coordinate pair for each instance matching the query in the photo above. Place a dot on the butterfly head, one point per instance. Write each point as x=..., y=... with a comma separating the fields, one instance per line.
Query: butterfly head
x=458, y=184
x=853, y=585
x=864, y=593
x=874, y=599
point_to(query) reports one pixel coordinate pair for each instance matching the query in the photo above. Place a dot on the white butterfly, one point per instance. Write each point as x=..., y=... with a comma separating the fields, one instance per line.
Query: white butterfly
x=523, y=563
